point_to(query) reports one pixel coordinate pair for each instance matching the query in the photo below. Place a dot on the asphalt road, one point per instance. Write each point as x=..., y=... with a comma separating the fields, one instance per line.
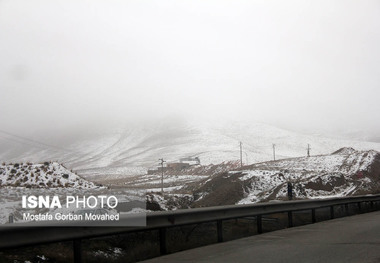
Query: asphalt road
x=349, y=239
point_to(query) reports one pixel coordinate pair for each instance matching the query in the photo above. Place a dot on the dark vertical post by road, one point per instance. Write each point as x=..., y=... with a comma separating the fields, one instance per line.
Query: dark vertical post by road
x=308, y=150
x=313, y=219
x=290, y=191
x=162, y=175
x=162, y=234
x=77, y=247
x=259, y=224
x=290, y=219
x=274, y=152
x=219, y=226
x=332, y=212
x=11, y=218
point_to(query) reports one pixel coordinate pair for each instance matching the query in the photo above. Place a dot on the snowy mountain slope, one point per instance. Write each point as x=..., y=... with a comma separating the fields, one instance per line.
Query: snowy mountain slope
x=345, y=172
x=46, y=175
x=175, y=181
x=134, y=149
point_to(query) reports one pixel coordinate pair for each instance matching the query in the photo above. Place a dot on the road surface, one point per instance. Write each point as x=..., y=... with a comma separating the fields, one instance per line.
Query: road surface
x=349, y=239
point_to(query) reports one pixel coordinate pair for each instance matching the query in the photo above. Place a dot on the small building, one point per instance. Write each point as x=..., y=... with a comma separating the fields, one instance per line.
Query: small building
x=191, y=160
x=178, y=166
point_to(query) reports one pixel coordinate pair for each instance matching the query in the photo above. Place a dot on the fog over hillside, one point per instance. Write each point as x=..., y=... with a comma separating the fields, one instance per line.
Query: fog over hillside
x=134, y=149
x=97, y=83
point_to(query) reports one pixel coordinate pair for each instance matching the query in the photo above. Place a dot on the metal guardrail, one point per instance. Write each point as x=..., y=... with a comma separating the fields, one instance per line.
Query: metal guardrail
x=35, y=234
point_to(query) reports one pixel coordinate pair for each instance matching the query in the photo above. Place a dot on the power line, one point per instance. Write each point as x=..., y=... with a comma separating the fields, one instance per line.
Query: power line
x=36, y=143
x=21, y=142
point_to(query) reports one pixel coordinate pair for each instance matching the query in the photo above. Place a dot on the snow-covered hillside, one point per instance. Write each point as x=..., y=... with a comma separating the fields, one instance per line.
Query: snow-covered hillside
x=179, y=181
x=131, y=151
x=345, y=172
x=46, y=175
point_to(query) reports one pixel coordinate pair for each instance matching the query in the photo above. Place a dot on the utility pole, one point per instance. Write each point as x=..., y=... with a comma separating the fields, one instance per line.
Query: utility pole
x=162, y=175
x=274, y=152
x=308, y=150
x=241, y=154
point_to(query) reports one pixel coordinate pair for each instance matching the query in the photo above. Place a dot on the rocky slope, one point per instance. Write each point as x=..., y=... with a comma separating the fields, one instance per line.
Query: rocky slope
x=345, y=172
x=342, y=173
x=45, y=175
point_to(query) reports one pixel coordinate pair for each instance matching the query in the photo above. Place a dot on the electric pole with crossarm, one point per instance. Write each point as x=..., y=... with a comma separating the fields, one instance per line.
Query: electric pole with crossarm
x=241, y=154
x=162, y=175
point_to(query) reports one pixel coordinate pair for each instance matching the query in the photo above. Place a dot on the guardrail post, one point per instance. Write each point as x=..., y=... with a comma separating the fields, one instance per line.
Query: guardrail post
x=259, y=222
x=359, y=207
x=162, y=234
x=290, y=219
x=313, y=219
x=332, y=212
x=219, y=227
x=371, y=205
x=346, y=209
x=77, y=249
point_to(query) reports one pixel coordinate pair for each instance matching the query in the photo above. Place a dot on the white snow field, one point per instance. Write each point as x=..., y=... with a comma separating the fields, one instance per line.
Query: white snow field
x=133, y=150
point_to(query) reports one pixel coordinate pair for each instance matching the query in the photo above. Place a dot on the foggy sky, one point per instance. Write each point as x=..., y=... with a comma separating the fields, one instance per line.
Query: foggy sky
x=299, y=64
